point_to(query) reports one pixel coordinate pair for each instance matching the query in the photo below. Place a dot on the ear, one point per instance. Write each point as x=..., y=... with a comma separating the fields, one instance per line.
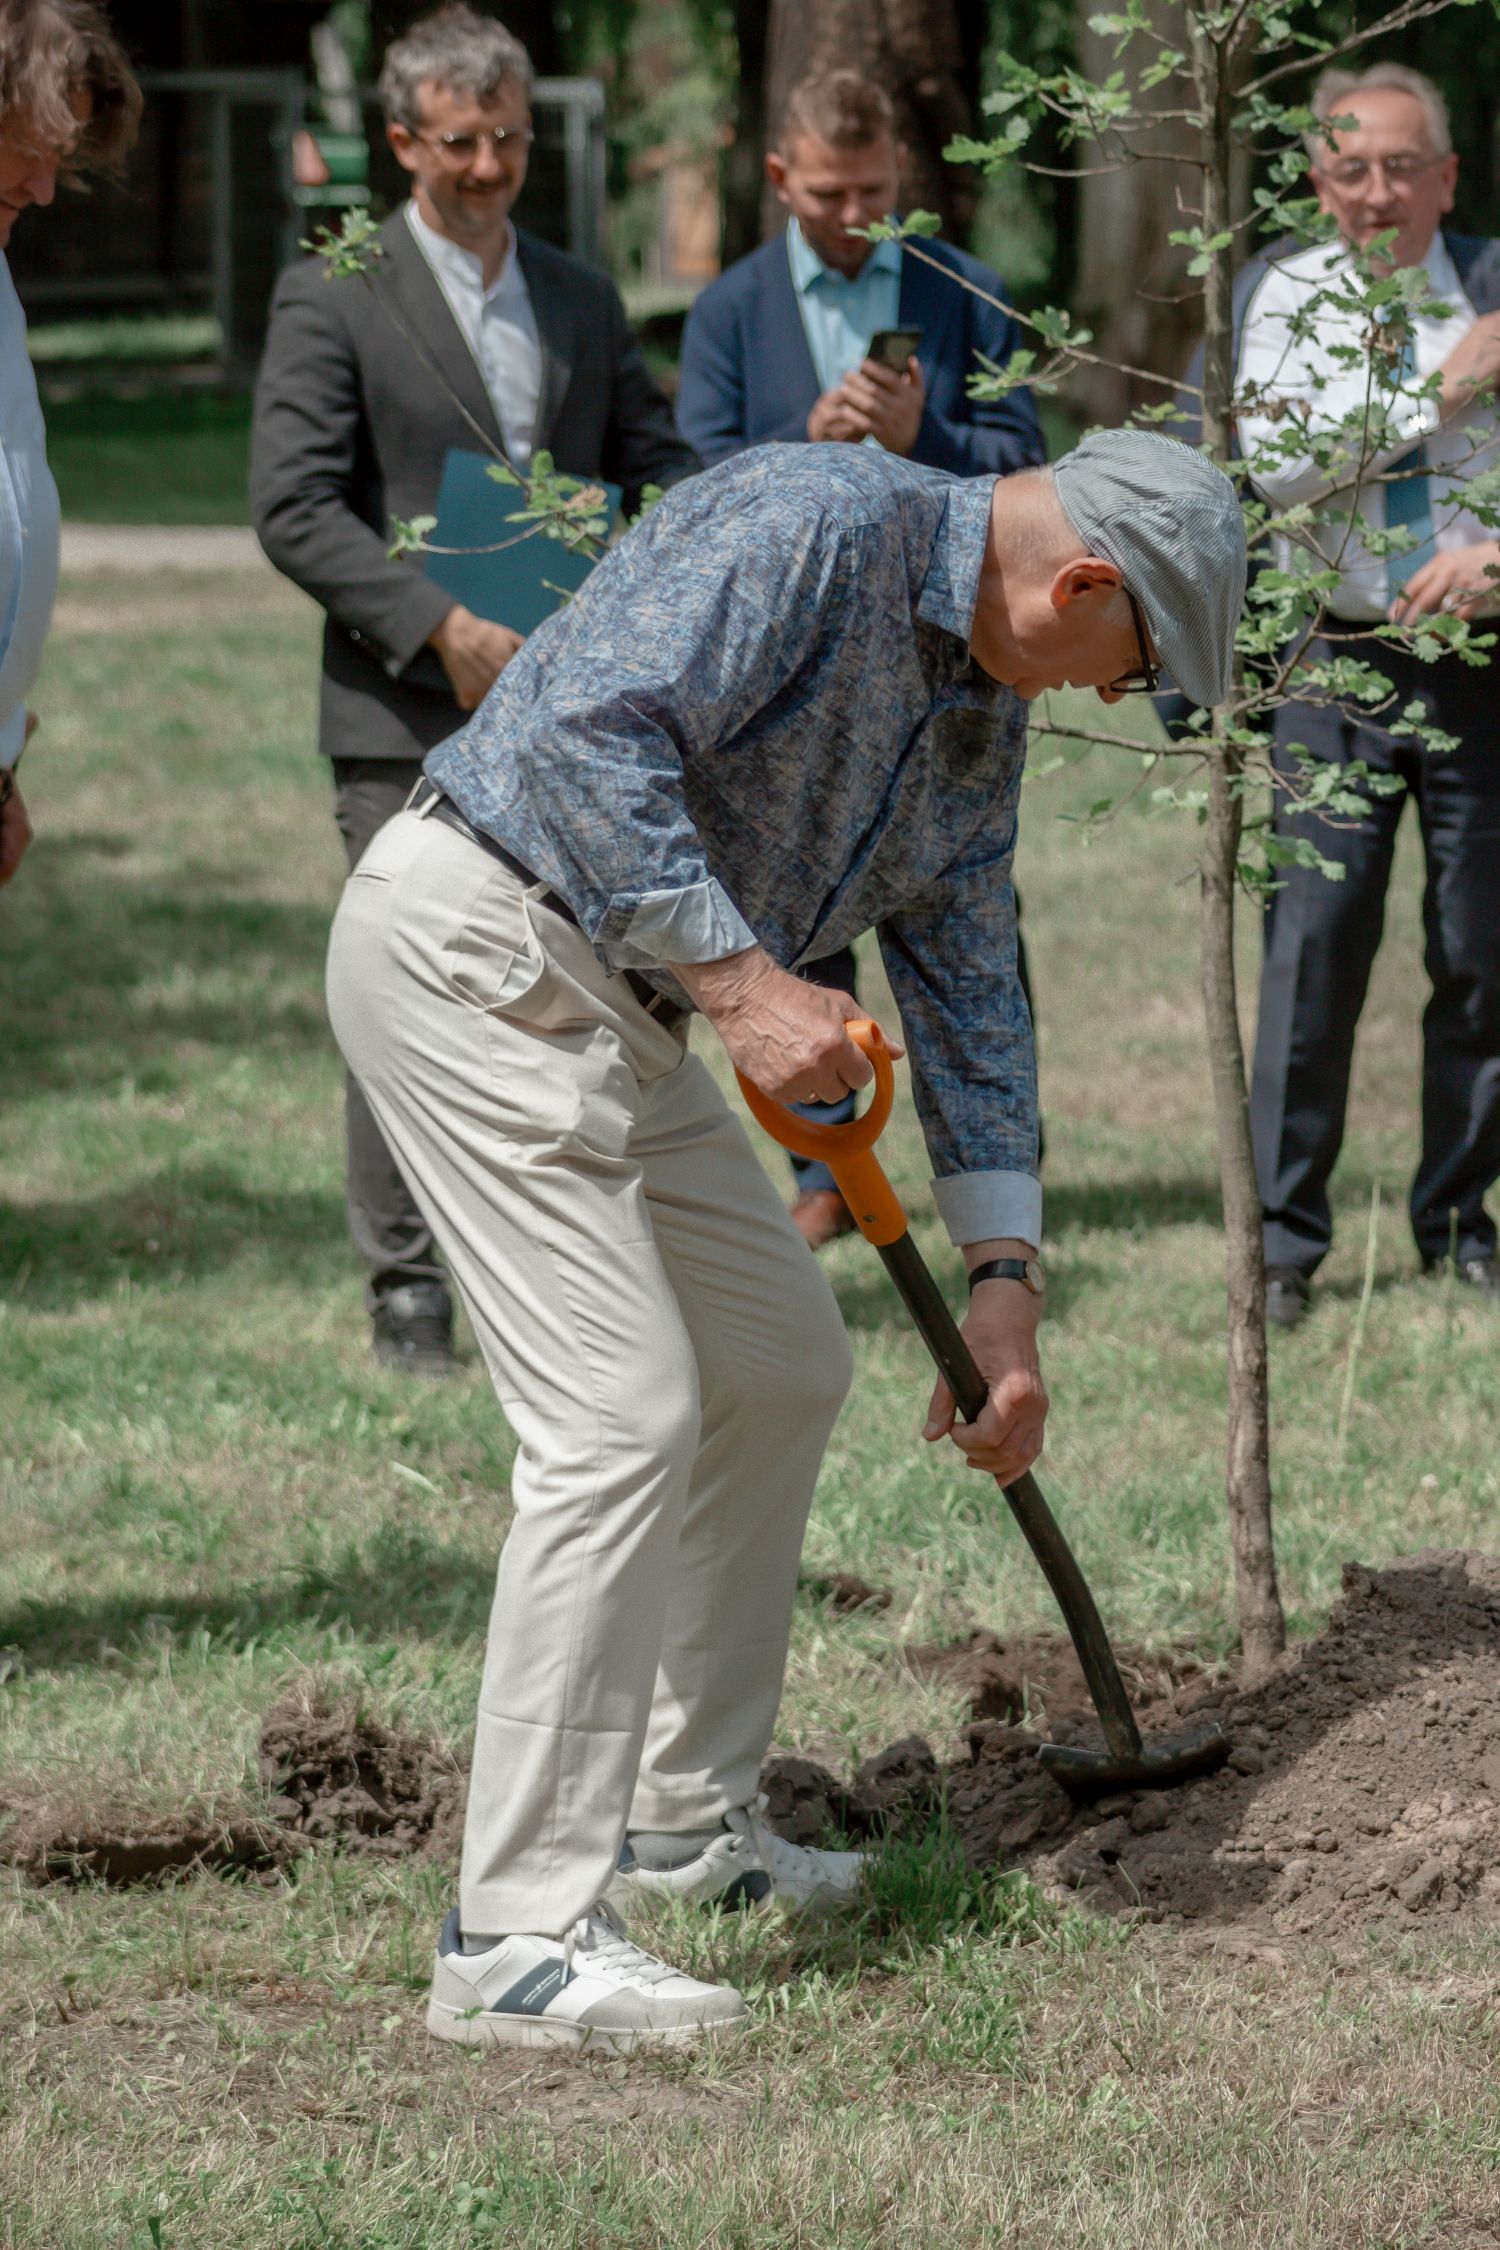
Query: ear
x=403, y=147
x=1083, y=576
x=776, y=171
x=1447, y=184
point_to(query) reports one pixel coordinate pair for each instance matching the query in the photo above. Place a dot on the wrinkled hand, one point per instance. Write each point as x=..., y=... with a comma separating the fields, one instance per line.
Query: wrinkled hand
x=1001, y=1333
x=1473, y=363
x=15, y=834
x=888, y=406
x=473, y=652
x=833, y=420
x=1455, y=582
x=787, y=1037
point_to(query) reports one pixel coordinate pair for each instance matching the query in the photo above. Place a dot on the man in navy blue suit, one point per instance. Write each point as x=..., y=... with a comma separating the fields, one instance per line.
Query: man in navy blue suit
x=778, y=349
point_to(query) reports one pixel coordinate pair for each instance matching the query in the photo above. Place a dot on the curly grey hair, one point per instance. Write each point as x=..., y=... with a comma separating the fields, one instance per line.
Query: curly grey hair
x=458, y=48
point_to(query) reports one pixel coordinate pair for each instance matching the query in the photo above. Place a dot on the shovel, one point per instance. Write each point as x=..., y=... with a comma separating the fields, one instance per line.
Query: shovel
x=849, y=1152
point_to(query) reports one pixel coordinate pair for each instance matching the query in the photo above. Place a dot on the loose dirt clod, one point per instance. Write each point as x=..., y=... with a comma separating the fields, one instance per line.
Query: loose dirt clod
x=333, y=1774
x=899, y=1790
x=844, y=1594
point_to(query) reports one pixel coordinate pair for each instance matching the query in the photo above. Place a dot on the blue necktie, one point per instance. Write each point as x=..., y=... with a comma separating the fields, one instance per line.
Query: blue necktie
x=1408, y=501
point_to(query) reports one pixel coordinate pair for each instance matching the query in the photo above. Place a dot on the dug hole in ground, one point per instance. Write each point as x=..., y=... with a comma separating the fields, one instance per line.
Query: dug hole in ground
x=1363, y=1788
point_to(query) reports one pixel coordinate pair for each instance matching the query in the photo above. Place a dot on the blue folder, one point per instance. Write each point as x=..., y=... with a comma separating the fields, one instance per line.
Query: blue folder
x=516, y=584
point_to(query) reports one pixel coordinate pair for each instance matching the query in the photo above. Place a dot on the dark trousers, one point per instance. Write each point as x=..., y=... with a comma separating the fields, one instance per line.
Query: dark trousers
x=1320, y=943
x=836, y=973
x=389, y=1232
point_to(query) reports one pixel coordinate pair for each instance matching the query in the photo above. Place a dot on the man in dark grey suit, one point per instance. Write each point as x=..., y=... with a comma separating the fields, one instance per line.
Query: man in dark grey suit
x=468, y=332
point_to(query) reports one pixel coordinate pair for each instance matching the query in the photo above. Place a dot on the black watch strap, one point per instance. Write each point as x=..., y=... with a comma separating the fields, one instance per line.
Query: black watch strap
x=1024, y=1270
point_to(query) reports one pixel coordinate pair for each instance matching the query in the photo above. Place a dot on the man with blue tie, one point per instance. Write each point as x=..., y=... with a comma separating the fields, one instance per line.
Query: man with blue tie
x=1392, y=173
x=778, y=350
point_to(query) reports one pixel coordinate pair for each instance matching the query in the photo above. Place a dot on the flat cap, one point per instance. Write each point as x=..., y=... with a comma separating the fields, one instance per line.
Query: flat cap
x=1170, y=522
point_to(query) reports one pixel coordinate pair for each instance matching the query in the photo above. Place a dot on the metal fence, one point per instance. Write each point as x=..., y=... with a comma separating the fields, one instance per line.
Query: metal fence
x=210, y=212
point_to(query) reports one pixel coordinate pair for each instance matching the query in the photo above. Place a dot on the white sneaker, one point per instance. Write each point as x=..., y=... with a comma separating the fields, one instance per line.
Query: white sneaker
x=592, y=1989
x=748, y=1865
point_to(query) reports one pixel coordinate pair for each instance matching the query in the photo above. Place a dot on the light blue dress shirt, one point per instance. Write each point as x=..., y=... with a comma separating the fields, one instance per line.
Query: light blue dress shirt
x=29, y=530
x=839, y=316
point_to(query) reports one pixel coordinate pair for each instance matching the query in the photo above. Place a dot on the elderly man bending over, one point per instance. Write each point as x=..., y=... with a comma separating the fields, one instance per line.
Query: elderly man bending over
x=790, y=707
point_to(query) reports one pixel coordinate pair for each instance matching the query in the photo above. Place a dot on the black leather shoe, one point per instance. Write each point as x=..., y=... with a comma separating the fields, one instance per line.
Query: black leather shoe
x=414, y=1329
x=1482, y=1274
x=1288, y=1297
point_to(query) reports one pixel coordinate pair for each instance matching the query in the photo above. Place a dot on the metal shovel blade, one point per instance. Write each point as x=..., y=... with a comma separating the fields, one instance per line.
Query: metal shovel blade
x=1162, y=1764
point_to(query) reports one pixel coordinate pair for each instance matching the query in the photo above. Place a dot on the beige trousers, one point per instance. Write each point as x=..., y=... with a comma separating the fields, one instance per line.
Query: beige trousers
x=667, y=1353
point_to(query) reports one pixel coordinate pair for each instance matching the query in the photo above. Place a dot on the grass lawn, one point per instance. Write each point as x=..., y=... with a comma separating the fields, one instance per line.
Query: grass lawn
x=162, y=457
x=211, y=1494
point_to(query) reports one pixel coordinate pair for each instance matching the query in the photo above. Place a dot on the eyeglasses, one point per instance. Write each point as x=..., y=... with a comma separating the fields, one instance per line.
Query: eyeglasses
x=461, y=148
x=1146, y=677
x=1397, y=171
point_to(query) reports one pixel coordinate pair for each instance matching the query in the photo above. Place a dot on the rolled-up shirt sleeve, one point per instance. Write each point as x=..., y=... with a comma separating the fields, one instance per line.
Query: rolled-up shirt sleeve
x=604, y=791
x=951, y=959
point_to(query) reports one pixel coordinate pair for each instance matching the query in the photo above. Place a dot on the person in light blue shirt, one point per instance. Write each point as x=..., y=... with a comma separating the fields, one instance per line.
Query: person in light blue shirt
x=841, y=312
x=67, y=99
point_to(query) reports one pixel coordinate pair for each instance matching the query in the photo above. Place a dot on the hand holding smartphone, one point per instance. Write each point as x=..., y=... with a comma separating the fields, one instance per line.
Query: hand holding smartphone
x=893, y=347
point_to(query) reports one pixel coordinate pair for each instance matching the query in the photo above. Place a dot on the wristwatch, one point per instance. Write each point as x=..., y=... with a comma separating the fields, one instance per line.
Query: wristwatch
x=1027, y=1271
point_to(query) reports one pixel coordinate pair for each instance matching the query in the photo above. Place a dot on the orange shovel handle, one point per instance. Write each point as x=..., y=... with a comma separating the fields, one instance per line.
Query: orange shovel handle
x=847, y=1150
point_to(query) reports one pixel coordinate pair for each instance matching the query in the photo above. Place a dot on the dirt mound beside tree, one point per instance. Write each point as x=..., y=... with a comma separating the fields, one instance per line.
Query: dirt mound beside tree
x=1364, y=1785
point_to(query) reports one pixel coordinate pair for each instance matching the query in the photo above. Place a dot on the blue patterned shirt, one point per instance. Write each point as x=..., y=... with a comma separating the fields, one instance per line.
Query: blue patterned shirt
x=758, y=722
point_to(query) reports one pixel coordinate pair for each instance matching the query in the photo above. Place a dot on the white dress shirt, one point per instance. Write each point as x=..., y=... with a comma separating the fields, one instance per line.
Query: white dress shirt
x=1285, y=367
x=497, y=324
x=28, y=525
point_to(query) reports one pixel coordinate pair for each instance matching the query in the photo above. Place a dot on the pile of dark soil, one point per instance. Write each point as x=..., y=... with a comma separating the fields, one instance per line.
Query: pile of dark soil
x=1364, y=1786
x=333, y=1773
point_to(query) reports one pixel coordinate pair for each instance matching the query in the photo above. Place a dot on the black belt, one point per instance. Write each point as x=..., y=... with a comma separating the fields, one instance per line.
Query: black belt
x=441, y=807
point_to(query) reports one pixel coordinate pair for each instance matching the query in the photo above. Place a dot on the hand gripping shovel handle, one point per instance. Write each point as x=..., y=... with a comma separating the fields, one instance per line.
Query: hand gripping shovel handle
x=849, y=1152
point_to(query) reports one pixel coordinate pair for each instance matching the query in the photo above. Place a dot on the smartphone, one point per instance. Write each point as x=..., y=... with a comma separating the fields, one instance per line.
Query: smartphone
x=893, y=347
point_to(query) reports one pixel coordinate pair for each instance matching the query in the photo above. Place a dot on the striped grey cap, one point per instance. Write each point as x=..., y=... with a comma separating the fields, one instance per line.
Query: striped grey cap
x=1170, y=522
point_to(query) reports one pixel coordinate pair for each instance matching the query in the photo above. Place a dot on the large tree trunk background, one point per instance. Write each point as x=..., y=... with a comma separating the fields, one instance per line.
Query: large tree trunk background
x=1132, y=287
x=923, y=52
x=742, y=175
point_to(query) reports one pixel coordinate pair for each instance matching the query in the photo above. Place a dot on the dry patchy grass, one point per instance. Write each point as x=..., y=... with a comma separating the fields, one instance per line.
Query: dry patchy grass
x=210, y=1493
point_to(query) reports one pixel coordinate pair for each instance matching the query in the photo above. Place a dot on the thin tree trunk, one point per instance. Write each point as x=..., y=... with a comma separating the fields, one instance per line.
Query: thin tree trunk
x=1262, y=1625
